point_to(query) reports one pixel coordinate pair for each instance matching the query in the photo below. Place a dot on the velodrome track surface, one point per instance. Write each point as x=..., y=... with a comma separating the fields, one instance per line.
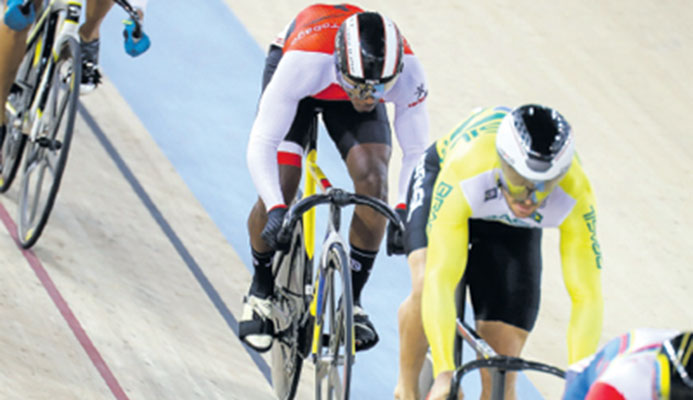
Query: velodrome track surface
x=134, y=289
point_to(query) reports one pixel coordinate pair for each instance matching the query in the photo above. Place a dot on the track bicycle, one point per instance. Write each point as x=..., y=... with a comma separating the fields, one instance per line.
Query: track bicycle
x=40, y=111
x=313, y=318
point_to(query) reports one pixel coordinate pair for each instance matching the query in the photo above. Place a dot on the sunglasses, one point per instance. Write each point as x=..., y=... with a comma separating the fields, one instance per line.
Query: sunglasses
x=364, y=90
x=536, y=192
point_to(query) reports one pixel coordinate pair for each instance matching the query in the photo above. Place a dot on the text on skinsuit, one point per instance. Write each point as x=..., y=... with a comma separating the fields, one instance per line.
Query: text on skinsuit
x=441, y=191
x=417, y=196
x=314, y=29
x=591, y=221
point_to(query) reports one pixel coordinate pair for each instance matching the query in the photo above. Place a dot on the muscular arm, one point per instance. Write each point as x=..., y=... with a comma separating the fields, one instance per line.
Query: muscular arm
x=411, y=119
x=448, y=238
x=581, y=263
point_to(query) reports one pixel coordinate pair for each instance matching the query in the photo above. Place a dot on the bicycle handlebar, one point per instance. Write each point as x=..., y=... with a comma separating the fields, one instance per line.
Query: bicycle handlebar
x=125, y=5
x=502, y=363
x=340, y=198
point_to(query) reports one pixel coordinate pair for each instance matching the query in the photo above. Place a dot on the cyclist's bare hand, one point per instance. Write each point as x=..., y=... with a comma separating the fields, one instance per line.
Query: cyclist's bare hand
x=441, y=387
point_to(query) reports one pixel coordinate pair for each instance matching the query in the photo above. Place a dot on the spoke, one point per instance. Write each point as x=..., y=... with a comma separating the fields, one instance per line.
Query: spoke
x=36, y=201
x=50, y=158
x=336, y=381
x=58, y=116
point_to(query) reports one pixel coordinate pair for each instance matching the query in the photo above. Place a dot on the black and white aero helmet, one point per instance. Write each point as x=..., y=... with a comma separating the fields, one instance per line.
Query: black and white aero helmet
x=369, y=49
x=536, y=141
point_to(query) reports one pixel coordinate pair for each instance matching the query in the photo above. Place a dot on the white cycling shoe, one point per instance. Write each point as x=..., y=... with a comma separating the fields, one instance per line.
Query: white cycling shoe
x=255, y=327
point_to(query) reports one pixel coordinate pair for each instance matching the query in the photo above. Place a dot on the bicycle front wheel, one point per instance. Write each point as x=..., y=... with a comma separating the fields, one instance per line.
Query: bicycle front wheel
x=11, y=149
x=292, y=327
x=335, y=320
x=46, y=156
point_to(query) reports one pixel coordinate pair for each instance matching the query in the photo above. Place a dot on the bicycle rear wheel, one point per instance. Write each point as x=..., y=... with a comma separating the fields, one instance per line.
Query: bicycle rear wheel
x=292, y=340
x=335, y=318
x=46, y=156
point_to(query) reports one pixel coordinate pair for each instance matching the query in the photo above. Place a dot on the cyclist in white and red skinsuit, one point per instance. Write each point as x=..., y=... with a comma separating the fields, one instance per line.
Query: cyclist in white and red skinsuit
x=345, y=64
x=644, y=364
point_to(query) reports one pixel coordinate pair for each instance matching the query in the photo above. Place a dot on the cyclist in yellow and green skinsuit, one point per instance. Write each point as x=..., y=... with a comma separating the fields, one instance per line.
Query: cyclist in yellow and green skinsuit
x=477, y=202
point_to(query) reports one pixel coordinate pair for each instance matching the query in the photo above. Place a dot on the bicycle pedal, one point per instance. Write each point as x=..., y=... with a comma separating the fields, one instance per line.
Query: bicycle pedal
x=49, y=143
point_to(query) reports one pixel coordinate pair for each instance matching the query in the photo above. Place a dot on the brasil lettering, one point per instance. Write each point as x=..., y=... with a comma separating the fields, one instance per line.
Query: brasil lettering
x=442, y=191
x=591, y=221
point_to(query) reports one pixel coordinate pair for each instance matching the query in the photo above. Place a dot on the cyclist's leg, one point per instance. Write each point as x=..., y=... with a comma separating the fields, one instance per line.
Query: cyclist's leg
x=441, y=387
x=289, y=177
x=363, y=140
x=367, y=164
x=507, y=340
x=12, y=46
x=412, y=339
x=255, y=326
x=95, y=14
x=504, y=275
x=89, y=42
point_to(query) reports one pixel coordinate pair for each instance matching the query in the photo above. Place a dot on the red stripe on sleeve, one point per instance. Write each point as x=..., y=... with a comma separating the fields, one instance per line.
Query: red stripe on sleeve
x=284, y=158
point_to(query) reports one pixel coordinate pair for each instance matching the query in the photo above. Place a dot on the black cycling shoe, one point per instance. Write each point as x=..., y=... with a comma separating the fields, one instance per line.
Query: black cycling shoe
x=365, y=335
x=91, y=75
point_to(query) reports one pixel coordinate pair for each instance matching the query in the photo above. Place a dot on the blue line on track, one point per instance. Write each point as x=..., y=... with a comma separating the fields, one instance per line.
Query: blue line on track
x=172, y=236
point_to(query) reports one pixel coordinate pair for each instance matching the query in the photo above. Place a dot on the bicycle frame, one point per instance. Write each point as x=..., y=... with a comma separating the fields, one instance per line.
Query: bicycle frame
x=66, y=26
x=316, y=178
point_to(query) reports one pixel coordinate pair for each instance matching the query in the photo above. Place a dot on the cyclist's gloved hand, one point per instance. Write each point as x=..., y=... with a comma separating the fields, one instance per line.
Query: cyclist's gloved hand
x=134, y=46
x=395, y=237
x=275, y=217
x=16, y=18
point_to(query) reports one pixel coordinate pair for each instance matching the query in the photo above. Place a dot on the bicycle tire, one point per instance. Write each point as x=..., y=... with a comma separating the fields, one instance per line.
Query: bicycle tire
x=11, y=150
x=50, y=152
x=288, y=350
x=336, y=348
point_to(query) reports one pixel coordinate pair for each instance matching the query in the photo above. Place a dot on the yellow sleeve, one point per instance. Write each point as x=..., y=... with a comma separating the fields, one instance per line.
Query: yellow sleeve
x=581, y=263
x=446, y=258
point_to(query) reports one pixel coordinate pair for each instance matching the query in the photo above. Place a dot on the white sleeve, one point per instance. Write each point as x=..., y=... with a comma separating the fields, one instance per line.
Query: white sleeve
x=411, y=118
x=298, y=75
